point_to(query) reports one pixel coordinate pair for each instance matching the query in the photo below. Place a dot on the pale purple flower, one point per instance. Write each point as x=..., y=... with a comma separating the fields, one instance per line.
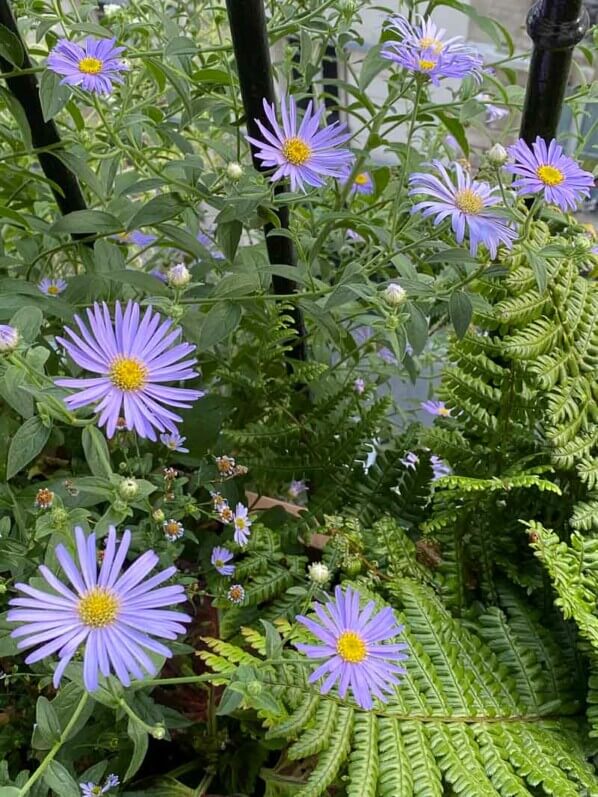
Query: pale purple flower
x=297, y=487
x=140, y=238
x=410, y=460
x=9, y=338
x=209, y=244
x=117, y=615
x=94, y=65
x=174, y=442
x=352, y=649
x=134, y=357
x=220, y=556
x=354, y=236
x=90, y=789
x=439, y=468
x=178, y=276
x=52, y=287
x=159, y=275
x=359, y=386
x=468, y=204
x=242, y=524
x=436, y=408
x=173, y=530
x=362, y=184
x=300, y=151
x=387, y=356
x=495, y=113
x=546, y=170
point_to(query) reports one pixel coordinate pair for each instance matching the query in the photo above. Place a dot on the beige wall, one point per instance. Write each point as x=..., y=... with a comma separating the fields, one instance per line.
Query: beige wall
x=510, y=13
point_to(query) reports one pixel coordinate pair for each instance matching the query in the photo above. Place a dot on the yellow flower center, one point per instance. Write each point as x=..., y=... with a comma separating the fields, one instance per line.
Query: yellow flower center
x=90, y=65
x=550, y=175
x=172, y=528
x=444, y=411
x=351, y=647
x=426, y=66
x=428, y=43
x=468, y=201
x=362, y=179
x=240, y=523
x=128, y=373
x=98, y=608
x=219, y=563
x=296, y=151
x=53, y=290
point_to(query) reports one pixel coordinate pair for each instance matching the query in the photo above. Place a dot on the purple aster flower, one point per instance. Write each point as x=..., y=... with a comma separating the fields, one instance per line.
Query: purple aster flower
x=362, y=334
x=117, y=615
x=359, y=386
x=410, y=460
x=352, y=649
x=174, y=442
x=52, y=287
x=436, y=408
x=90, y=789
x=354, y=236
x=387, y=356
x=133, y=357
x=242, y=524
x=362, y=184
x=173, y=530
x=297, y=487
x=9, y=338
x=494, y=113
x=467, y=204
x=140, y=238
x=209, y=244
x=93, y=65
x=546, y=169
x=220, y=556
x=439, y=468
x=423, y=49
x=301, y=151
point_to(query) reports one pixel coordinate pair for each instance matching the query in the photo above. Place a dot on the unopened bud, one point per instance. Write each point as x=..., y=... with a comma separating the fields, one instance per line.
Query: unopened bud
x=159, y=516
x=234, y=171
x=158, y=732
x=318, y=572
x=128, y=489
x=179, y=276
x=497, y=155
x=395, y=295
x=9, y=338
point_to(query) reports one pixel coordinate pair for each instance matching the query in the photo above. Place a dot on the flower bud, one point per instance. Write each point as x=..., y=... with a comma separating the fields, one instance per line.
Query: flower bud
x=234, y=171
x=179, y=276
x=9, y=338
x=128, y=489
x=158, y=515
x=497, y=155
x=318, y=572
x=158, y=732
x=395, y=295
x=110, y=9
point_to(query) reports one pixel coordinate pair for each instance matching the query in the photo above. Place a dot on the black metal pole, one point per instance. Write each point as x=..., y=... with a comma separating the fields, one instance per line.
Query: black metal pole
x=250, y=43
x=555, y=27
x=25, y=90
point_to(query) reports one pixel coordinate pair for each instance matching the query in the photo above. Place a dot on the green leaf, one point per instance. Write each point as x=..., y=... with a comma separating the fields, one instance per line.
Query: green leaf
x=229, y=235
x=47, y=720
x=160, y=208
x=11, y=47
x=229, y=702
x=26, y=445
x=372, y=65
x=87, y=222
x=416, y=328
x=53, y=96
x=539, y=268
x=9, y=791
x=28, y=321
x=140, y=742
x=455, y=127
x=180, y=46
x=57, y=778
x=460, y=311
x=139, y=279
x=218, y=324
x=96, y=452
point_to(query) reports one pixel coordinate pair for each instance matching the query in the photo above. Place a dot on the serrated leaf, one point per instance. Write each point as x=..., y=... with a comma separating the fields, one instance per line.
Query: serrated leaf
x=27, y=443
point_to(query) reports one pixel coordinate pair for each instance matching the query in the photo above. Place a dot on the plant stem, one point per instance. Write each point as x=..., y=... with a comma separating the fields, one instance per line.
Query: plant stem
x=55, y=749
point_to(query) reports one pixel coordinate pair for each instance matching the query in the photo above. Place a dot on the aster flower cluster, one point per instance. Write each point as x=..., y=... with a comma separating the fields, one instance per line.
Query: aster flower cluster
x=354, y=648
x=425, y=50
x=299, y=150
x=239, y=518
x=117, y=616
x=133, y=356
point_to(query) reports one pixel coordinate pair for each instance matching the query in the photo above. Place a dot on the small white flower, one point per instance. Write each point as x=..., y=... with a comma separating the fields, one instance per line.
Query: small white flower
x=234, y=171
x=110, y=9
x=318, y=572
x=395, y=295
x=179, y=276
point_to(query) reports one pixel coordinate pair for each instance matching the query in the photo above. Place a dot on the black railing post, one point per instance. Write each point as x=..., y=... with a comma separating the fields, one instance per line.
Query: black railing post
x=250, y=43
x=25, y=90
x=555, y=27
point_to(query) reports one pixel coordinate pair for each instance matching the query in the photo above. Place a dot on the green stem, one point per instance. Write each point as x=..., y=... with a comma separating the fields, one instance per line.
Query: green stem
x=55, y=749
